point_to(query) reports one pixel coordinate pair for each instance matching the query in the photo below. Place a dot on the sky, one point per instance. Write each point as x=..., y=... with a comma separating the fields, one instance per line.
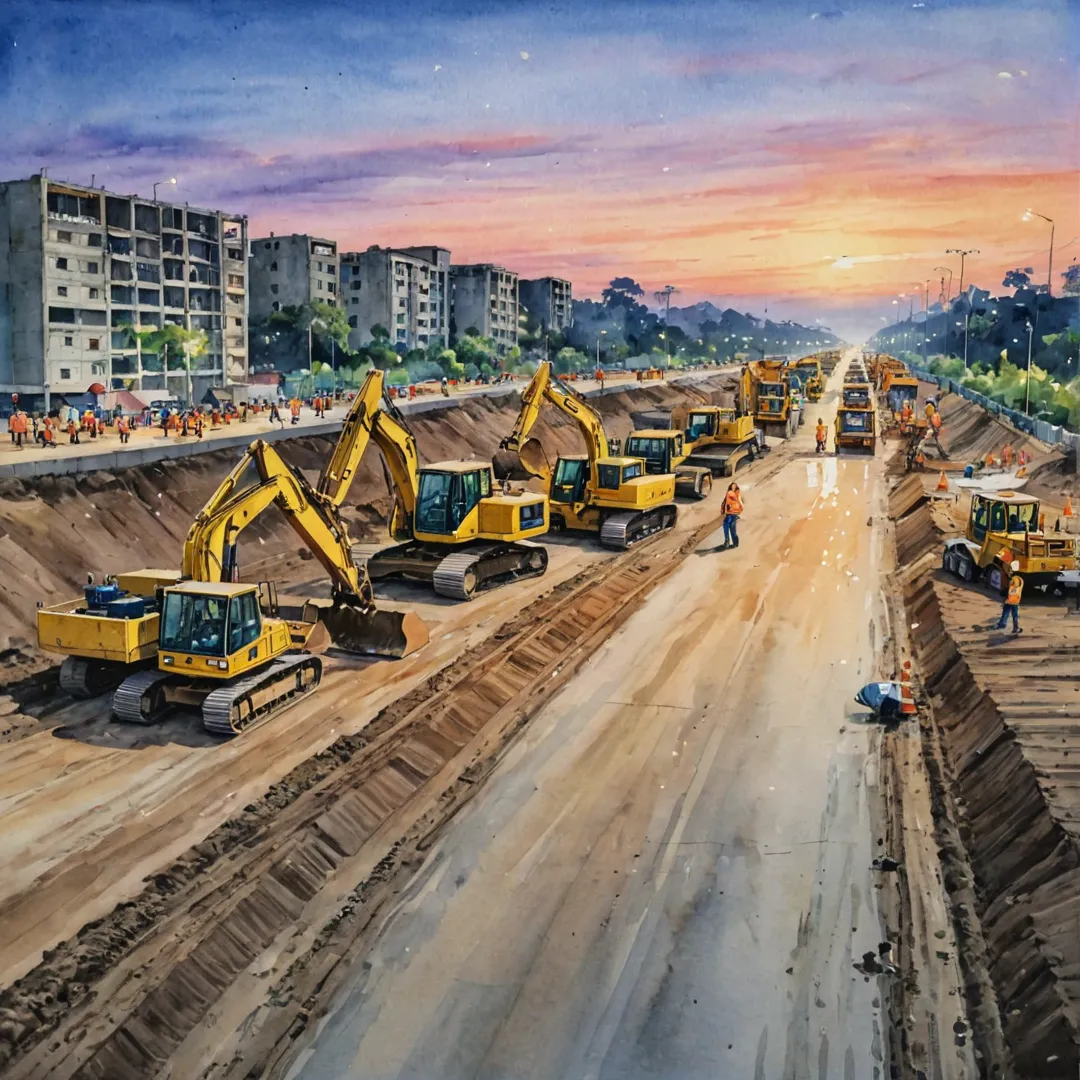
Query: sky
x=813, y=157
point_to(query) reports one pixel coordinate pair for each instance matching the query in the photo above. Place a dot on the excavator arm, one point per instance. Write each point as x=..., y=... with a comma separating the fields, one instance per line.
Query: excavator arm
x=544, y=387
x=374, y=417
x=260, y=479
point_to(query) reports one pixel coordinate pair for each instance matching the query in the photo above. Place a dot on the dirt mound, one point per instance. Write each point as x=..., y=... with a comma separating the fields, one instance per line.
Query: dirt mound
x=54, y=530
x=1006, y=713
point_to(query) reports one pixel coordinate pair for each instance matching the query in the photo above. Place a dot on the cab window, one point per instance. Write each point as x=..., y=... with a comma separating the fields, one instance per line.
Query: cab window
x=997, y=517
x=568, y=483
x=607, y=476
x=631, y=472
x=469, y=497
x=699, y=424
x=485, y=484
x=243, y=621
x=979, y=517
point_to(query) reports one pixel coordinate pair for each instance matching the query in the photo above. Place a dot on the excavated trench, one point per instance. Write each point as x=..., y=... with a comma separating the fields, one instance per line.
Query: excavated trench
x=1004, y=712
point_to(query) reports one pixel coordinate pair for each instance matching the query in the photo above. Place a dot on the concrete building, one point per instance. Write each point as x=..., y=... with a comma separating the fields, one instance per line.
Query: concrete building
x=485, y=296
x=287, y=271
x=550, y=300
x=405, y=290
x=78, y=265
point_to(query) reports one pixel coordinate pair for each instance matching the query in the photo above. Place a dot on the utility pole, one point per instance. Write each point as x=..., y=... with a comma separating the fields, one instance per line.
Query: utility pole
x=963, y=255
x=1027, y=387
x=663, y=296
x=1028, y=215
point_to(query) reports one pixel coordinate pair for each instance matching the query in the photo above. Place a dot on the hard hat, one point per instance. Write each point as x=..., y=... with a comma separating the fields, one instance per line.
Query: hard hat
x=1015, y=567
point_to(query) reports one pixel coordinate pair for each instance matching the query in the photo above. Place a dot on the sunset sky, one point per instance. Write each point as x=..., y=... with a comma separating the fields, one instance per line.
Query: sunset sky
x=735, y=150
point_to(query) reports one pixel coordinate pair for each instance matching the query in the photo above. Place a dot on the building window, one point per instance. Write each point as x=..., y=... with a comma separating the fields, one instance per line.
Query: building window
x=274, y=289
x=91, y=267
x=318, y=266
x=61, y=290
x=355, y=284
x=93, y=293
x=401, y=301
x=95, y=344
x=93, y=239
x=331, y=268
x=65, y=374
x=273, y=265
x=266, y=246
x=330, y=287
x=356, y=299
x=69, y=341
x=97, y=369
x=61, y=264
x=236, y=254
x=318, y=285
x=352, y=321
x=277, y=244
x=401, y=318
x=238, y=322
x=64, y=236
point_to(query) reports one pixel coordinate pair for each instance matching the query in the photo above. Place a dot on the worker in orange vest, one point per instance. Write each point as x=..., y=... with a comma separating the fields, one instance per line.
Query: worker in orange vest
x=905, y=412
x=123, y=426
x=198, y=424
x=733, y=507
x=990, y=459
x=1006, y=455
x=1012, y=601
x=73, y=432
x=18, y=427
x=294, y=408
x=821, y=434
x=48, y=436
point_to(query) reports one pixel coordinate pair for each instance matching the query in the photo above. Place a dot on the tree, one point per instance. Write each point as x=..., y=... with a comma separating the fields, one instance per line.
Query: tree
x=1017, y=279
x=380, y=333
x=980, y=326
x=1071, y=278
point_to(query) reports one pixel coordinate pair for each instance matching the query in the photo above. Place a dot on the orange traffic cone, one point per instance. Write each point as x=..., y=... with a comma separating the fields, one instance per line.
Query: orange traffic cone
x=1067, y=512
x=907, y=699
x=942, y=484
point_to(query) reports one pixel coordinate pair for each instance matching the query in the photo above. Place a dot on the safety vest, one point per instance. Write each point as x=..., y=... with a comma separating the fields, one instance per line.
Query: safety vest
x=822, y=432
x=1016, y=589
x=123, y=426
x=733, y=503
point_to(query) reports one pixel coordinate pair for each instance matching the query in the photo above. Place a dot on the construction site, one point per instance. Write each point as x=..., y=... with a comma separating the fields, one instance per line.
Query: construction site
x=484, y=752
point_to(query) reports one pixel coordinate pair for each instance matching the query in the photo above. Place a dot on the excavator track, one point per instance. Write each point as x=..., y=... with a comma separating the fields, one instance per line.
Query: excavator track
x=621, y=531
x=461, y=575
x=138, y=699
x=86, y=678
x=234, y=708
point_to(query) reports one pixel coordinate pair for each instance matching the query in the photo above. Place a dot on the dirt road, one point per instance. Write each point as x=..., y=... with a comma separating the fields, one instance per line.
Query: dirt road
x=669, y=875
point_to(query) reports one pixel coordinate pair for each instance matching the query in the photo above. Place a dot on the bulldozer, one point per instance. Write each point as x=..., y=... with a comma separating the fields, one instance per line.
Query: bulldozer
x=815, y=379
x=1004, y=527
x=455, y=531
x=855, y=419
x=225, y=646
x=599, y=492
x=664, y=452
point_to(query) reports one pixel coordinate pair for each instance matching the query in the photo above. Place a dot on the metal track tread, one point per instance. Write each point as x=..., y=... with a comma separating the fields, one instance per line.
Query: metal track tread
x=128, y=699
x=621, y=531
x=452, y=577
x=75, y=677
x=461, y=575
x=217, y=708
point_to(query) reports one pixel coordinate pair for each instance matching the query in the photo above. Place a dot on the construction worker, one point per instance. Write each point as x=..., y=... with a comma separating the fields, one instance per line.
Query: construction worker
x=17, y=426
x=990, y=462
x=821, y=433
x=198, y=424
x=73, y=432
x=1012, y=601
x=733, y=507
x=905, y=412
x=294, y=410
x=48, y=436
x=1006, y=455
x=123, y=426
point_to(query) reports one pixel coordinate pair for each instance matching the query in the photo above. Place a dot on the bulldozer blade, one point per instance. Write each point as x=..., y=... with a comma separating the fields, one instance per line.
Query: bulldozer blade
x=391, y=634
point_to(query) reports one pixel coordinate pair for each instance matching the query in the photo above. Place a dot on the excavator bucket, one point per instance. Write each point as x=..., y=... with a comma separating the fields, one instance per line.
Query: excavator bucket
x=392, y=634
x=529, y=461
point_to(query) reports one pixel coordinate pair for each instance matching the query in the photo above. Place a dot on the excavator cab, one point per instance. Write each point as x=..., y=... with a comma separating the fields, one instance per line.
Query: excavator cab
x=660, y=449
x=569, y=480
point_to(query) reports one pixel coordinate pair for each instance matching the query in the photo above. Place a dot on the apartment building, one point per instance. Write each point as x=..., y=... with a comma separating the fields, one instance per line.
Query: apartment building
x=288, y=271
x=81, y=266
x=485, y=297
x=550, y=300
x=404, y=290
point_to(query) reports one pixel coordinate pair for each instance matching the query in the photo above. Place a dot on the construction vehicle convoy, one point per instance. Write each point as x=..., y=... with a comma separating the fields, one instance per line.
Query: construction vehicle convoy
x=1004, y=527
x=596, y=492
x=456, y=532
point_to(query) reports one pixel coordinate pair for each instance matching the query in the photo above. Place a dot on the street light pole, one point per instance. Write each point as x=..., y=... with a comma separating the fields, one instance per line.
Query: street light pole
x=967, y=315
x=948, y=291
x=1027, y=386
x=963, y=255
x=1028, y=215
x=171, y=180
x=598, y=336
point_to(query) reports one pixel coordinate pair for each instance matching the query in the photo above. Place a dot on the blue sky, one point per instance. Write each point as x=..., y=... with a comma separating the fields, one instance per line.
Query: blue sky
x=734, y=149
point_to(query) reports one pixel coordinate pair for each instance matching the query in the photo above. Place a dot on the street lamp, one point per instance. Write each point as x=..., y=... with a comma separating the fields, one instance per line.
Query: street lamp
x=1028, y=215
x=171, y=180
x=598, y=337
x=1027, y=386
x=963, y=255
x=948, y=291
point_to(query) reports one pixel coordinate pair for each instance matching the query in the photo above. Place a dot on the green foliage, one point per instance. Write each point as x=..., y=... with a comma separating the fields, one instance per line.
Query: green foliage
x=569, y=360
x=281, y=339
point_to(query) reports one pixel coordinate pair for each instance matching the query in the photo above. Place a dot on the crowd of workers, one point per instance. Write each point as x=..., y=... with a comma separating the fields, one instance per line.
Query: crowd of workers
x=95, y=423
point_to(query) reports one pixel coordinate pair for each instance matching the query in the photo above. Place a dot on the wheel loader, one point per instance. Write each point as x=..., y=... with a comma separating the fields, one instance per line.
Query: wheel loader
x=1004, y=527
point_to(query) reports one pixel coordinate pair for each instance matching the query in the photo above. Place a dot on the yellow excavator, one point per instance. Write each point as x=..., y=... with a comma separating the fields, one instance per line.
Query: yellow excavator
x=457, y=532
x=598, y=491
x=224, y=645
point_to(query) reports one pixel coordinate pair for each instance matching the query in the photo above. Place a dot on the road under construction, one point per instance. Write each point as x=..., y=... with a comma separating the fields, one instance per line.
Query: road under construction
x=621, y=820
